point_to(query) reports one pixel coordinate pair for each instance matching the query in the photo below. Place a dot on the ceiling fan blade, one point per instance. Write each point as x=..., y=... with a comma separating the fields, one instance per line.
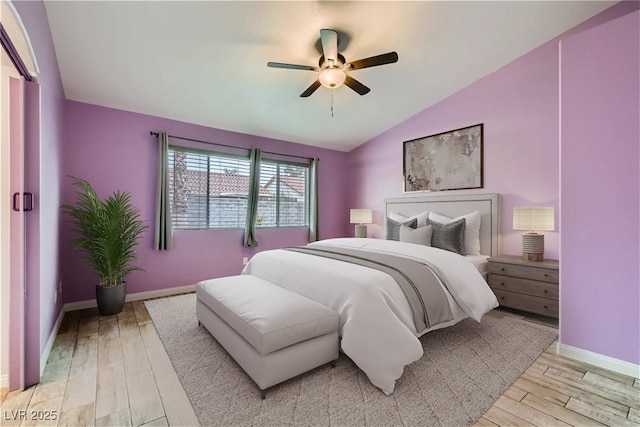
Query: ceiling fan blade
x=356, y=85
x=373, y=61
x=329, y=40
x=315, y=85
x=291, y=66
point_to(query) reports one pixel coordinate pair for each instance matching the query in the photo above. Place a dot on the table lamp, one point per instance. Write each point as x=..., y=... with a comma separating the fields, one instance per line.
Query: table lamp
x=532, y=220
x=361, y=217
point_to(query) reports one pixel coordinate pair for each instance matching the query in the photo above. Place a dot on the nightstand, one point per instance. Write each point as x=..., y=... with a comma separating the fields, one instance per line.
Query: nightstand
x=525, y=285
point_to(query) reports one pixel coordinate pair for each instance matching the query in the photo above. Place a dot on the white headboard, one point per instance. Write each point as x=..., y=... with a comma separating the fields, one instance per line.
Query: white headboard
x=453, y=206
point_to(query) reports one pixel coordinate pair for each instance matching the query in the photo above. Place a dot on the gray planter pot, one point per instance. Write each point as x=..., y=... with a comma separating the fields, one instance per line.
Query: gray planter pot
x=111, y=298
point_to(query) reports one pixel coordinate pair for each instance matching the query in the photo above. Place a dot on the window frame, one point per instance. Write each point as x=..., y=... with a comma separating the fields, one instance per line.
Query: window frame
x=307, y=192
x=207, y=220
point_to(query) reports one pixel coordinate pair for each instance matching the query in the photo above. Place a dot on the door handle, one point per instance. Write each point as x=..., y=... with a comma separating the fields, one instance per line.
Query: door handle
x=28, y=197
x=27, y=202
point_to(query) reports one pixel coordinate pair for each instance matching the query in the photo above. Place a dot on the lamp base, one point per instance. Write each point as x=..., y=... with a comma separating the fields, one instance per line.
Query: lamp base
x=533, y=247
x=527, y=256
x=361, y=230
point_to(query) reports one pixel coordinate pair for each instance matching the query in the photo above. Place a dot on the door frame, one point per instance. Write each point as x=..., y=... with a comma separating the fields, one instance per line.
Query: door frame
x=20, y=303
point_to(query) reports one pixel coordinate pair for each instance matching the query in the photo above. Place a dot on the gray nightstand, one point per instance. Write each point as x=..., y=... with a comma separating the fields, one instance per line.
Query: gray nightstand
x=525, y=285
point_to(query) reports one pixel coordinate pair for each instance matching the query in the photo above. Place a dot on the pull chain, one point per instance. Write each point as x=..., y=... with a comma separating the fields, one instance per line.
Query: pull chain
x=331, y=104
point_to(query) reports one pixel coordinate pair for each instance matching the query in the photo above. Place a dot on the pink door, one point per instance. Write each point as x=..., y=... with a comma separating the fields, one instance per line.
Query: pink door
x=24, y=321
x=17, y=235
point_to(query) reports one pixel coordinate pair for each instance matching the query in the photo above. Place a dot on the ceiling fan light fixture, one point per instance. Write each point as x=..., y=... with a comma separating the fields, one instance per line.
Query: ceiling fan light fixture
x=333, y=68
x=332, y=78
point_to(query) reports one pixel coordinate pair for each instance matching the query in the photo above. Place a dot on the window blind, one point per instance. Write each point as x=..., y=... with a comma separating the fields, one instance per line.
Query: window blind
x=284, y=200
x=209, y=190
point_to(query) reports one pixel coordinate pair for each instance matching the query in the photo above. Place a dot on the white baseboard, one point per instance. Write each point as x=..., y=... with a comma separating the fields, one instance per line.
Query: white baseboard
x=80, y=305
x=52, y=337
x=599, y=360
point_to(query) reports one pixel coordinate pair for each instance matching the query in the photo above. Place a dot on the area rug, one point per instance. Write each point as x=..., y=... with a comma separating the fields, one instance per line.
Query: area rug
x=465, y=368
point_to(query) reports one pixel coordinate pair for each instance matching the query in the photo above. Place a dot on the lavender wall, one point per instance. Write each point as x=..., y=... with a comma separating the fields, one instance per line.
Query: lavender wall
x=518, y=105
x=112, y=149
x=47, y=186
x=600, y=187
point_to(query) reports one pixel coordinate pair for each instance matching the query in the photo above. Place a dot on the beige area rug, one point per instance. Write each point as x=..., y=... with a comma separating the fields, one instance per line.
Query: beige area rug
x=465, y=368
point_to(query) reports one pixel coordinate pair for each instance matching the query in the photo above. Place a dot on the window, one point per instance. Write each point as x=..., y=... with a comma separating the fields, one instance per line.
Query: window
x=284, y=194
x=209, y=190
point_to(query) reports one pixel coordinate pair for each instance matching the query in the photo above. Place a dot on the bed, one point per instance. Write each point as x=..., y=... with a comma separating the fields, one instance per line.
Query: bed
x=377, y=326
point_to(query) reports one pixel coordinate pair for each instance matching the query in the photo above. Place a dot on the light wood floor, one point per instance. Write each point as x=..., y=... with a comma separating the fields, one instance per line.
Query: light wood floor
x=104, y=371
x=114, y=371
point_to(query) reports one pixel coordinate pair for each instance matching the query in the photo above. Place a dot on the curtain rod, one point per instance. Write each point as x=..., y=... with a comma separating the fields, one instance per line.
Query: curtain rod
x=229, y=146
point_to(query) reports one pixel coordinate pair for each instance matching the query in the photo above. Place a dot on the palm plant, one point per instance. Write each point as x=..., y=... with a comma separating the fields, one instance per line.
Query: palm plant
x=108, y=231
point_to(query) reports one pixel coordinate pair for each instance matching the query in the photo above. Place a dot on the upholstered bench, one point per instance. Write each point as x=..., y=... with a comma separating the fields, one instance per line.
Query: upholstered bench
x=273, y=333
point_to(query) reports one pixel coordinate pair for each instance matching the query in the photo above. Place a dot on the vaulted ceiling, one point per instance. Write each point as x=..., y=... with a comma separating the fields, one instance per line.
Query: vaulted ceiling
x=204, y=62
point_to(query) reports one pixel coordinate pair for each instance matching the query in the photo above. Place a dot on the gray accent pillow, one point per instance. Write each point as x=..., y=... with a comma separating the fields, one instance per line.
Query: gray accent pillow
x=392, y=229
x=419, y=236
x=421, y=217
x=449, y=237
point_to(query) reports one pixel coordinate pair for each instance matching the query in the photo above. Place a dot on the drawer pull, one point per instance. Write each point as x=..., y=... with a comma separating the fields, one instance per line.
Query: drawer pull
x=546, y=275
x=545, y=307
x=502, y=283
x=502, y=269
x=501, y=298
x=546, y=291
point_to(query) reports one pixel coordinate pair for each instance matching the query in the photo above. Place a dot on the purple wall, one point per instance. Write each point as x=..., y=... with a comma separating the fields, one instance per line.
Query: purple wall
x=47, y=188
x=113, y=150
x=518, y=105
x=600, y=187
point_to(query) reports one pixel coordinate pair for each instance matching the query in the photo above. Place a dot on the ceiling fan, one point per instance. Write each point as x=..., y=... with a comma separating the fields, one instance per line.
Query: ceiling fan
x=333, y=68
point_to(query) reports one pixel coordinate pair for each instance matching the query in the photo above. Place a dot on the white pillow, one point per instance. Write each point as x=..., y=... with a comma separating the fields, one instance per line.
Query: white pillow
x=419, y=236
x=421, y=217
x=472, y=230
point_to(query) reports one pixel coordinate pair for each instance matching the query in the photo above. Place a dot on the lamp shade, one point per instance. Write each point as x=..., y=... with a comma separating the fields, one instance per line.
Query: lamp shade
x=361, y=216
x=533, y=218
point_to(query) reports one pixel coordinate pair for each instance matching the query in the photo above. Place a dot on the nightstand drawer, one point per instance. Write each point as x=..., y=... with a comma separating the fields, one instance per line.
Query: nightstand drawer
x=529, y=303
x=533, y=273
x=524, y=286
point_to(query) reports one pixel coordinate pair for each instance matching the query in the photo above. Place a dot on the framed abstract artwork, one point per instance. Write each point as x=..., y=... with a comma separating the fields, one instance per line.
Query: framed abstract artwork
x=450, y=160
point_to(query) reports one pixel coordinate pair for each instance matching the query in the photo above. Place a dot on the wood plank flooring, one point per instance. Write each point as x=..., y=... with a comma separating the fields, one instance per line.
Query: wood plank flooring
x=114, y=371
x=557, y=391
x=104, y=371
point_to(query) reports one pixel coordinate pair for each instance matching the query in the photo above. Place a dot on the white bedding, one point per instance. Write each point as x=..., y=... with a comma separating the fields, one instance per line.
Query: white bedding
x=480, y=262
x=376, y=323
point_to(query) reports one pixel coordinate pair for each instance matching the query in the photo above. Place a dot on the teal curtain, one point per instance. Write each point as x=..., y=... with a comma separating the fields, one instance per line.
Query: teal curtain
x=313, y=200
x=163, y=230
x=252, y=199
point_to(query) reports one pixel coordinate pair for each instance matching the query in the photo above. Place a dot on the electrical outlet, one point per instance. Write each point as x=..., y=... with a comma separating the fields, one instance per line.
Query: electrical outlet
x=245, y=260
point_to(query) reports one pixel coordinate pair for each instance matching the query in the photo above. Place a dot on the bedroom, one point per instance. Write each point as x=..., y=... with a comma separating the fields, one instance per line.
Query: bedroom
x=519, y=105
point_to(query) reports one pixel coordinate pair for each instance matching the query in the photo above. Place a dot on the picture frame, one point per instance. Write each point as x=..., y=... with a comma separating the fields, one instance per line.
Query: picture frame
x=451, y=160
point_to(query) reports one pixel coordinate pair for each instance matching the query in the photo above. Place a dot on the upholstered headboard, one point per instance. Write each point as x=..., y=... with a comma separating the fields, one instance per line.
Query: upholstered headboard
x=453, y=206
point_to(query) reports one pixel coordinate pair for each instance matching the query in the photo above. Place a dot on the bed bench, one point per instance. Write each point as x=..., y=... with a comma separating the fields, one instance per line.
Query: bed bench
x=273, y=333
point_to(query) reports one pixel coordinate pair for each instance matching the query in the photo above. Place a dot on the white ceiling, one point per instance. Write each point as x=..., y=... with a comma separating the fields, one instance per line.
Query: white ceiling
x=204, y=62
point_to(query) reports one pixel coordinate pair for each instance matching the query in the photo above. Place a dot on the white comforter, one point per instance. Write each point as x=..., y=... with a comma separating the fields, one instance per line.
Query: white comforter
x=376, y=323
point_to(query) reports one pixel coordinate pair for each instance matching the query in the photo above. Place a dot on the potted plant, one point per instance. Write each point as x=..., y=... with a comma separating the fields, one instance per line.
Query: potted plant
x=108, y=231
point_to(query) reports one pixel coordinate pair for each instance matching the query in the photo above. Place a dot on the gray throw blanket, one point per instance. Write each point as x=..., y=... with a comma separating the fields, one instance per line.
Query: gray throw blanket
x=417, y=280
